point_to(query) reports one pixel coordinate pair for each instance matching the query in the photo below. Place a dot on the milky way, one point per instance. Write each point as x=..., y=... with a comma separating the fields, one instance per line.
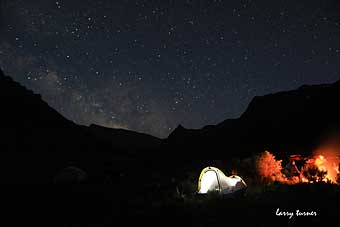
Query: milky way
x=151, y=65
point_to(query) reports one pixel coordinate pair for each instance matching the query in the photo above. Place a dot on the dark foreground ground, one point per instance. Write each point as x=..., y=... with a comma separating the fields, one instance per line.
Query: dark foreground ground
x=112, y=205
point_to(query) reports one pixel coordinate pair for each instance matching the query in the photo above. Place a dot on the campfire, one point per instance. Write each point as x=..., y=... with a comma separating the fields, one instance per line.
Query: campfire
x=323, y=166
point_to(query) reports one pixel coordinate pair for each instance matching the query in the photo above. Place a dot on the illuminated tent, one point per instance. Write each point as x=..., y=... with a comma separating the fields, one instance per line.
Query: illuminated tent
x=214, y=180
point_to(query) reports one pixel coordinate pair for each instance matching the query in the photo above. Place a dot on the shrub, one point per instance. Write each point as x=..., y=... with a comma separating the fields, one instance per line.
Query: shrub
x=269, y=169
x=312, y=173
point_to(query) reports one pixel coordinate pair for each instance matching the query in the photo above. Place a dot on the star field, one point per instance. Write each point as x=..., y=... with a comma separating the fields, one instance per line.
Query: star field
x=151, y=65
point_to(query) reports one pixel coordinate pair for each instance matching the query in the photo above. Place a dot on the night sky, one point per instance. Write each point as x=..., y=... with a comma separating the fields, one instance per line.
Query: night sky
x=150, y=65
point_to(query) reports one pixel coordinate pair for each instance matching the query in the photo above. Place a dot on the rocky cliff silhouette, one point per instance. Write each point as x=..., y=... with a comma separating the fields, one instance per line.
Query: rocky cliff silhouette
x=286, y=122
x=37, y=142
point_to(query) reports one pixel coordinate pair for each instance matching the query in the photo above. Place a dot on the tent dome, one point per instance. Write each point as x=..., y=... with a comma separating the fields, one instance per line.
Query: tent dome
x=214, y=180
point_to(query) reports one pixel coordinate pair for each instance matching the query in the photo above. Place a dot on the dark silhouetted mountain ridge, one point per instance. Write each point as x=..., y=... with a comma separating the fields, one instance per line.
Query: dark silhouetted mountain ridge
x=126, y=140
x=36, y=141
x=284, y=122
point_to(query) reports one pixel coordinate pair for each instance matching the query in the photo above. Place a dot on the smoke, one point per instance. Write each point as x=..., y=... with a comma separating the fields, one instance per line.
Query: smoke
x=330, y=147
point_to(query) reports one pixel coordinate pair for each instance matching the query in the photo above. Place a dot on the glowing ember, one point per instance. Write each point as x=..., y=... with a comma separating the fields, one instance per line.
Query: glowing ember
x=304, y=180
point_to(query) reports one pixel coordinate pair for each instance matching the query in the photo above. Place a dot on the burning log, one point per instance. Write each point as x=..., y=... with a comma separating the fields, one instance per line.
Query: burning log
x=295, y=157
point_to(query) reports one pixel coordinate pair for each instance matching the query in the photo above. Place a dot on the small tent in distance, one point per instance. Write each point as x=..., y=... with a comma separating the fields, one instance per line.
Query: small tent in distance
x=214, y=180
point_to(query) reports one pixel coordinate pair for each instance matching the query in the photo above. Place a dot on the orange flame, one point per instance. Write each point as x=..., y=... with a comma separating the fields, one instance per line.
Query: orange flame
x=269, y=168
x=321, y=167
x=329, y=164
x=327, y=158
